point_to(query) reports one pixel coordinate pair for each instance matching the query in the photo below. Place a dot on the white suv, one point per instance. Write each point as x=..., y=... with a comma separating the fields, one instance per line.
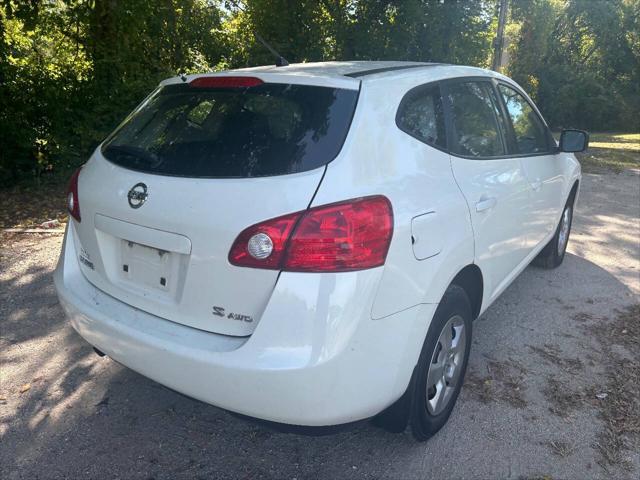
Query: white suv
x=309, y=244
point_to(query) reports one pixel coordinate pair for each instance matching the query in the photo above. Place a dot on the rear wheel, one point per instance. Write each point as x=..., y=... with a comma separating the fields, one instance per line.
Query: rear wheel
x=443, y=362
x=552, y=254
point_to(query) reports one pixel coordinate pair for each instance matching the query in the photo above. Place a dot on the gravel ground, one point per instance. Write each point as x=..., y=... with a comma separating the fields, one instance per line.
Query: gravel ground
x=551, y=391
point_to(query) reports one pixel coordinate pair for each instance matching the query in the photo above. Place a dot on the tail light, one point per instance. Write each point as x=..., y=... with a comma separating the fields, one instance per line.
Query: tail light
x=225, y=82
x=339, y=237
x=73, y=202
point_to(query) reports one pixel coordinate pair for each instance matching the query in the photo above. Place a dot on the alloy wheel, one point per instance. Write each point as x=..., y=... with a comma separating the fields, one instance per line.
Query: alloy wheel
x=446, y=365
x=563, y=234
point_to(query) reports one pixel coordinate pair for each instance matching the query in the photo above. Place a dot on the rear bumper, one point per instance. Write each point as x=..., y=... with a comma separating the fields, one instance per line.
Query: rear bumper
x=315, y=359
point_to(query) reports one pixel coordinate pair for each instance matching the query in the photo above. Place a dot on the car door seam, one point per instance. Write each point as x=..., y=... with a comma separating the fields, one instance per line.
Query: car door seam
x=466, y=201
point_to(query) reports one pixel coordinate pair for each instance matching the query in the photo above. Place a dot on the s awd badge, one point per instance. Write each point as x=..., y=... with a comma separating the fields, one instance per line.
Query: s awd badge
x=219, y=311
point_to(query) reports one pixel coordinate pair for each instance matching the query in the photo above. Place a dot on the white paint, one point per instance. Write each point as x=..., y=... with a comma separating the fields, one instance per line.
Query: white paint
x=321, y=349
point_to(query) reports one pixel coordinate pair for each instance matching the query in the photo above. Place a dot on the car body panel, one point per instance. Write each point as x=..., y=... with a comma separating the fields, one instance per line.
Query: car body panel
x=544, y=175
x=417, y=179
x=498, y=196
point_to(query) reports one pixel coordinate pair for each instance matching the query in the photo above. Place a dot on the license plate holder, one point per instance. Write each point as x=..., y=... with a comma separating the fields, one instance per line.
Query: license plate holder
x=146, y=266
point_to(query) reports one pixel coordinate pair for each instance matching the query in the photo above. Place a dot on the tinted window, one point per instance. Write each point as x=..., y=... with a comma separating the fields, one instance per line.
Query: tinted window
x=475, y=117
x=421, y=116
x=530, y=132
x=270, y=129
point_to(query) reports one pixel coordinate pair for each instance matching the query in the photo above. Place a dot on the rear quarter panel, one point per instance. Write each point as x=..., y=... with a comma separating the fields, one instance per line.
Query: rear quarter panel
x=378, y=158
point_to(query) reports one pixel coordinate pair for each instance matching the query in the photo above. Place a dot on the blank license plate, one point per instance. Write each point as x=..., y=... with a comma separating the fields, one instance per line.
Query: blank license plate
x=146, y=266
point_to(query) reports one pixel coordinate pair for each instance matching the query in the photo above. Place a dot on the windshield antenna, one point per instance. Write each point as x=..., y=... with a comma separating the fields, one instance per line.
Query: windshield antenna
x=280, y=60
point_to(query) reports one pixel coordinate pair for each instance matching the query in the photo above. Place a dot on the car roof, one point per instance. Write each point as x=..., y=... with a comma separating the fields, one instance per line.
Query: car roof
x=365, y=68
x=349, y=69
x=347, y=74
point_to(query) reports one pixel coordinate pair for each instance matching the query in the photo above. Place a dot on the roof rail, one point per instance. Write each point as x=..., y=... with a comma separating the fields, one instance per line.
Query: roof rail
x=372, y=71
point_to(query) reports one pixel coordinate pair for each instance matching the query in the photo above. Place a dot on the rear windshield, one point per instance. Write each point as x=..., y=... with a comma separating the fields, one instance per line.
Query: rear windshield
x=269, y=129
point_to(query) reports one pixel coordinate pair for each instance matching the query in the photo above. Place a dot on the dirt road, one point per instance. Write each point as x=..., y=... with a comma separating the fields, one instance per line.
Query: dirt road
x=551, y=392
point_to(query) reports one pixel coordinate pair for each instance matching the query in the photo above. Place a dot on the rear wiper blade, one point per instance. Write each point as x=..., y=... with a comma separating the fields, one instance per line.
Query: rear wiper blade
x=136, y=152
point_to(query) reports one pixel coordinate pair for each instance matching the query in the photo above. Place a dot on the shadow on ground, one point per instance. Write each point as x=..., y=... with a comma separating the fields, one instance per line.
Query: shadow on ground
x=67, y=413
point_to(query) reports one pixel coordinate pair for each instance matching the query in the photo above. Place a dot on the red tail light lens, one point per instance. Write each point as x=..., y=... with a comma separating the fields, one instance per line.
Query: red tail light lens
x=345, y=236
x=340, y=237
x=73, y=201
x=225, y=82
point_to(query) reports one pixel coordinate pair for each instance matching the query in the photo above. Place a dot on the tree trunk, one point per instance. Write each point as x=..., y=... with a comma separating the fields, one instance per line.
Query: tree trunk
x=102, y=40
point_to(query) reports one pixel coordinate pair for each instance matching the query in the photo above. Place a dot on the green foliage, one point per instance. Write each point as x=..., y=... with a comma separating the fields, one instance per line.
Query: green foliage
x=39, y=66
x=454, y=31
x=70, y=70
x=580, y=60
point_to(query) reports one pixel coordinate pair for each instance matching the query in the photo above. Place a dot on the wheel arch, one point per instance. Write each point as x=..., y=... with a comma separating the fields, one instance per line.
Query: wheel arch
x=573, y=193
x=395, y=418
x=471, y=281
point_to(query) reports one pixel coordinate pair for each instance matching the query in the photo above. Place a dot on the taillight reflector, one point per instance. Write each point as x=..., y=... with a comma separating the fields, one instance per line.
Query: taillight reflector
x=225, y=82
x=73, y=201
x=277, y=229
x=340, y=237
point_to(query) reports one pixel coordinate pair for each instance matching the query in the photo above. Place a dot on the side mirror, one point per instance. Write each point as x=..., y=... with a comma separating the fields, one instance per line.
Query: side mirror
x=573, y=141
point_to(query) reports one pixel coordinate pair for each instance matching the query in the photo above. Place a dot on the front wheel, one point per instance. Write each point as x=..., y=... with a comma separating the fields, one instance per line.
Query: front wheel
x=552, y=254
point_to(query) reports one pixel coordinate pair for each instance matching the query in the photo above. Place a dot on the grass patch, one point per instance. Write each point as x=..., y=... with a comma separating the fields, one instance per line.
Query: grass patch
x=504, y=382
x=613, y=152
x=552, y=354
x=602, y=160
x=615, y=141
x=610, y=152
x=560, y=448
x=563, y=401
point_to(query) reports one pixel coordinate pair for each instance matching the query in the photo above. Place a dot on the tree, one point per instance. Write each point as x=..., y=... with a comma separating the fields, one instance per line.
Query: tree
x=577, y=58
x=70, y=70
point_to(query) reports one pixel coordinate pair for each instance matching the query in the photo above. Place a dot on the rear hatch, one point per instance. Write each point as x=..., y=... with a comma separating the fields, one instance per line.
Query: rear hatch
x=166, y=195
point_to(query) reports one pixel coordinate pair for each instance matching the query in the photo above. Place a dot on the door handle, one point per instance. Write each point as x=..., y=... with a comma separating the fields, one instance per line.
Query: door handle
x=485, y=203
x=536, y=184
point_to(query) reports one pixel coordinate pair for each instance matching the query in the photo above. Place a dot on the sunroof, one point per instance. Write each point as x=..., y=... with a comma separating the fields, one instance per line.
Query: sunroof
x=364, y=73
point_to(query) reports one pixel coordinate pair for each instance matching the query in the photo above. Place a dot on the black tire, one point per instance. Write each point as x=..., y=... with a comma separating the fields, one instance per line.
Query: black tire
x=411, y=407
x=552, y=254
x=424, y=421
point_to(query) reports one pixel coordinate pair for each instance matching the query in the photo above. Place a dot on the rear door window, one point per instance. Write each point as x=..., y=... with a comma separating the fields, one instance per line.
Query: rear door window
x=421, y=115
x=263, y=130
x=530, y=133
x=476, y=120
